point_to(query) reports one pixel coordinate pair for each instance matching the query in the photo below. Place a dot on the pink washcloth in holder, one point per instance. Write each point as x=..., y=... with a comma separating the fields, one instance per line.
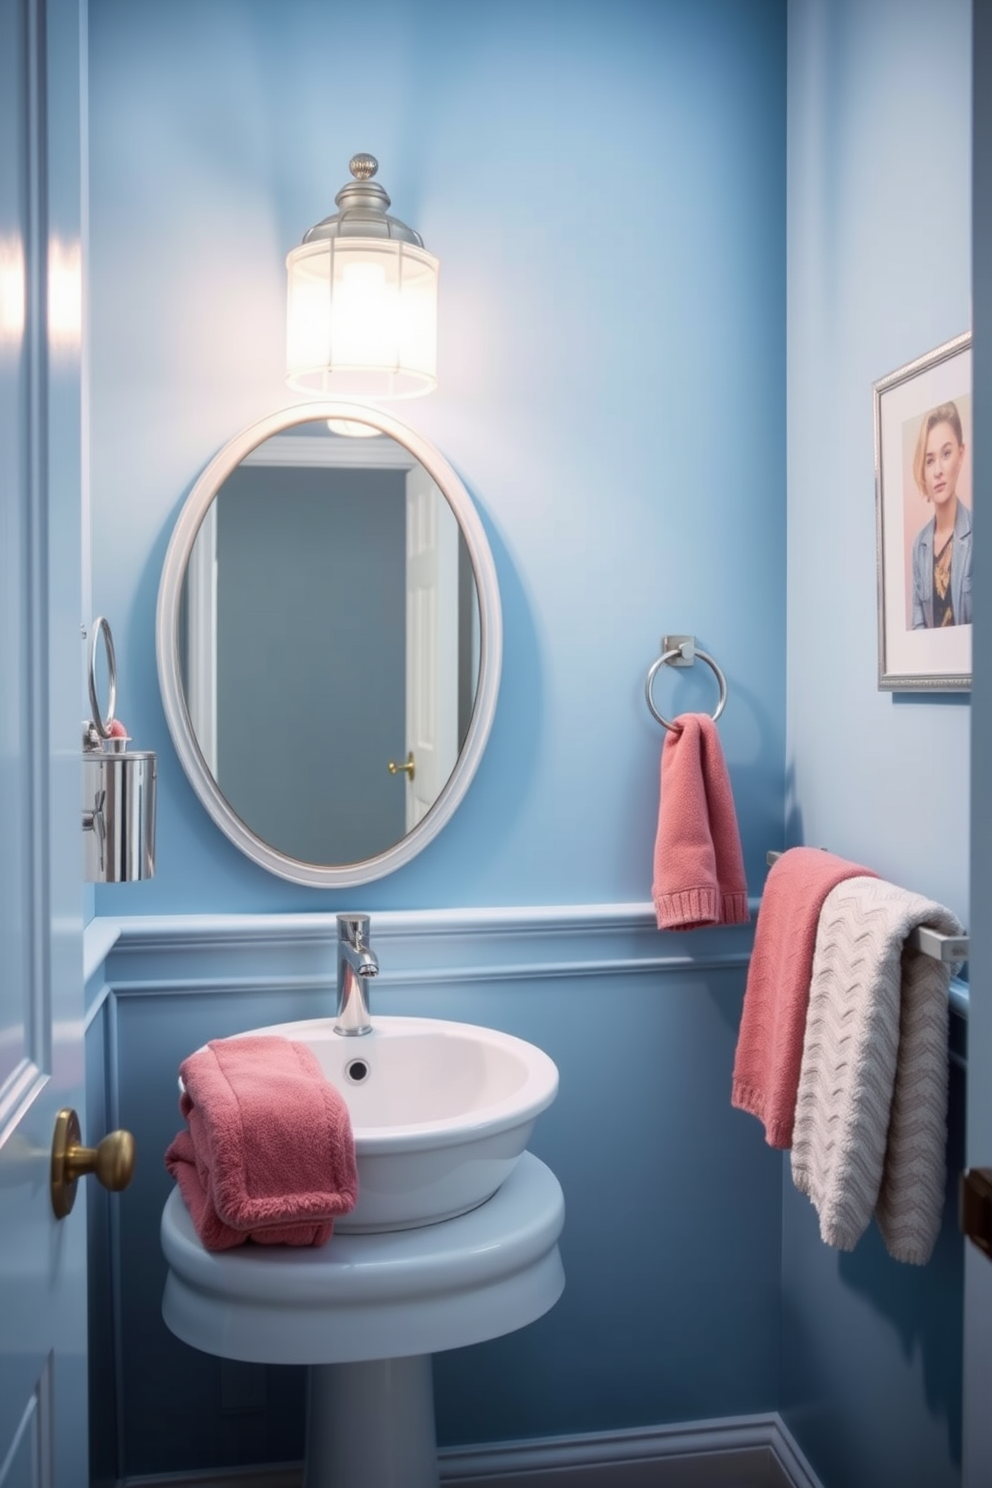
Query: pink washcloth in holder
x=776, y=998
x=698, y=864
x=268, y=1154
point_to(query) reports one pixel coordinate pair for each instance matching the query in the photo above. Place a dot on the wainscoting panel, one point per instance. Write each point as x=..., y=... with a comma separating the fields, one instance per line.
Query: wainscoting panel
x=672, y=1235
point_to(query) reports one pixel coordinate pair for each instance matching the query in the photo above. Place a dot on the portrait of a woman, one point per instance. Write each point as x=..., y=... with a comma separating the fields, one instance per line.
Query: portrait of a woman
x=942, y=548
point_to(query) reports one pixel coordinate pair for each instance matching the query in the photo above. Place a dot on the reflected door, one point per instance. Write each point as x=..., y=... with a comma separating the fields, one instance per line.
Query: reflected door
x=43, y=1439
x=431, y=642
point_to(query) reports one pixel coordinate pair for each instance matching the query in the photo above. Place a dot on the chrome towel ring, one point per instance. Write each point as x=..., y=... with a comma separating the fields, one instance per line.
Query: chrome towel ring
x=103, y=726
x=681, y=651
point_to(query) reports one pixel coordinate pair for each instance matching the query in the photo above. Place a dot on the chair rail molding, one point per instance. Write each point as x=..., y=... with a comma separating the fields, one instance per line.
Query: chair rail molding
x=196, y=952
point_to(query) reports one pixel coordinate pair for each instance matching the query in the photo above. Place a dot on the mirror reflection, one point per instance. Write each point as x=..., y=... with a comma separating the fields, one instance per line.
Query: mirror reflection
x=329, y=642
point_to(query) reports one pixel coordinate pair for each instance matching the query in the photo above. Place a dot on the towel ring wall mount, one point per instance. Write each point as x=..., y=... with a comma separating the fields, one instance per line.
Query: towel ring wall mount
x=681, y=651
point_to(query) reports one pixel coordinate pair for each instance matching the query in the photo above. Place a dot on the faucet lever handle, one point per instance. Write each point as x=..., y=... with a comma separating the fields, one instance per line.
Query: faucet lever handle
x=356, y=961
x=354, y=928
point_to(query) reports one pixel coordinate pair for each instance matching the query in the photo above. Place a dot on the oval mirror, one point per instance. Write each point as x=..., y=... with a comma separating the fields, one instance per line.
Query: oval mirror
x=329, y=641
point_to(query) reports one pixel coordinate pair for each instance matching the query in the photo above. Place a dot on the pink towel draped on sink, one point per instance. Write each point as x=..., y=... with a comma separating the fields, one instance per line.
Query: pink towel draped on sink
x=698, y=864
x=268, y=1153
x=776, y=999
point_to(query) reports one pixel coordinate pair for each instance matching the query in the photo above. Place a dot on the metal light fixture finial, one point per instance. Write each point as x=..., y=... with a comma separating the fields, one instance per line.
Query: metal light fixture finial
x=363, y=209
x=363, y=167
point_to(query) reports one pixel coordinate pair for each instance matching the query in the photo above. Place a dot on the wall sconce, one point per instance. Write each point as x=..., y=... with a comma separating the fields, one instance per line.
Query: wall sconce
x=362, y=312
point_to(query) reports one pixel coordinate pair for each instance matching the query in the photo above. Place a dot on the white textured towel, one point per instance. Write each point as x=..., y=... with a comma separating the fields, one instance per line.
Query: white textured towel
x=871, y=1114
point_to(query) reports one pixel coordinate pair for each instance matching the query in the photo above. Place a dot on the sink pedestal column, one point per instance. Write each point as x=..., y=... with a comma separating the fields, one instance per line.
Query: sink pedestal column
x=366, y=1312
x=371, y=1425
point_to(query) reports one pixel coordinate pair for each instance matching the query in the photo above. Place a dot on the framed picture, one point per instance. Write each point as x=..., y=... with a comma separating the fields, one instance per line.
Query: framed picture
x=923, y=506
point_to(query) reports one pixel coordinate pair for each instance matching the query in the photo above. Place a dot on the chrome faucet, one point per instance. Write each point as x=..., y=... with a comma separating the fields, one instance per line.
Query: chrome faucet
x=356, y=962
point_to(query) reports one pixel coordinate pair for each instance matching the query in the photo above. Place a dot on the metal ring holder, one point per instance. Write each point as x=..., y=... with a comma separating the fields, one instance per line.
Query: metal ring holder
x=102, y=725
x=118, y=785
x=681, y=651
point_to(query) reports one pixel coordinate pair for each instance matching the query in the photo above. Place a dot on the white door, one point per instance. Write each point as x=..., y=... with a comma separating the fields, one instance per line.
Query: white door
x=431, y=643
x=42, y=1261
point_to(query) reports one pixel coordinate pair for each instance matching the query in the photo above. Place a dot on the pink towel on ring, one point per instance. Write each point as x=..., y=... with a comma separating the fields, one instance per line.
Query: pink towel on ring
x=698, y=864
x=776, y=998
x=268, y=1153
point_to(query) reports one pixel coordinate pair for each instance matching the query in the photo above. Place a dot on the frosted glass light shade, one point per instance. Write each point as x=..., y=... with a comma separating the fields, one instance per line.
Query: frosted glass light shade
x=361, y=318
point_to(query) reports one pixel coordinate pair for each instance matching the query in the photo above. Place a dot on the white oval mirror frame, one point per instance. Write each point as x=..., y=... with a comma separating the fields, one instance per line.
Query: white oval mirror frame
x=167, y=647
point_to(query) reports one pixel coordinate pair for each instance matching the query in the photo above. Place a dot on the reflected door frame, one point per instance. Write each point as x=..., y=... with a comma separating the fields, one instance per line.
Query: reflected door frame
x=432, y=643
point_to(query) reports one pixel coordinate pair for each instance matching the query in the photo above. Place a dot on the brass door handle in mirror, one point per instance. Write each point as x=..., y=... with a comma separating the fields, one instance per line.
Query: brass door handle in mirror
x=112, y=1161
x=408, y=769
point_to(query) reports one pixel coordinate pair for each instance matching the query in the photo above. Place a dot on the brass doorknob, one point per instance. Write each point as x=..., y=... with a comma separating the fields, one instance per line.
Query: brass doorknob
x=112, y=1161
x=407, y=769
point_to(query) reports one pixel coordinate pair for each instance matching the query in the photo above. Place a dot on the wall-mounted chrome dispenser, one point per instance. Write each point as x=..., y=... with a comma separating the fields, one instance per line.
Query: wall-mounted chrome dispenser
x=118, y=786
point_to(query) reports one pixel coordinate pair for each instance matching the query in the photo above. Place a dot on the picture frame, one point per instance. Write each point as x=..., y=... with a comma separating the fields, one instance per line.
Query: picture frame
x=923, y=505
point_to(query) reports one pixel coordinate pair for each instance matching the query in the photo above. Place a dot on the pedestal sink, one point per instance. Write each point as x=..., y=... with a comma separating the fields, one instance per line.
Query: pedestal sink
x=454, y=1240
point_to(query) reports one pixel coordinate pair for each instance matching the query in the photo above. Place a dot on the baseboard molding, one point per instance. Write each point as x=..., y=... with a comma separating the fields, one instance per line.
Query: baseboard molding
x=734, y=1452
x=288, y=1476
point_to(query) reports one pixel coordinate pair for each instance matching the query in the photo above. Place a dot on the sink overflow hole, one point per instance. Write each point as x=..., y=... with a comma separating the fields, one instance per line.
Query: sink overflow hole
x=357, y=1071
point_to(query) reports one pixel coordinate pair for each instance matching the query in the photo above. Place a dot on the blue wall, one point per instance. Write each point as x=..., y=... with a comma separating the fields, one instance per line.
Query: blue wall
x=607, y=201
x=879, y=273
x=608, y=205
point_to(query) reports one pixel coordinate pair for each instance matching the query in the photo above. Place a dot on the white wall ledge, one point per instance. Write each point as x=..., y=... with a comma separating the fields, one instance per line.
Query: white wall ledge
x=492, y=943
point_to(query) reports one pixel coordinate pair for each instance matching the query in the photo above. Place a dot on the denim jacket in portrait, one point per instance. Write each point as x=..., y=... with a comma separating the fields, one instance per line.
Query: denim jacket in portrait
x=960, y=571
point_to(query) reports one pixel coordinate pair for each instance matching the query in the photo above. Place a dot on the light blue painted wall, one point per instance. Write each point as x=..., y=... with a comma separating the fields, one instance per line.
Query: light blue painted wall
x=613, y=396
x=879, y=273
x=622, y=434
x=604, y=185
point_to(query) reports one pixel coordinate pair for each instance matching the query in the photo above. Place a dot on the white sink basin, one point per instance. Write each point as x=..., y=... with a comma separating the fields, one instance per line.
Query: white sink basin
x=441, y=1112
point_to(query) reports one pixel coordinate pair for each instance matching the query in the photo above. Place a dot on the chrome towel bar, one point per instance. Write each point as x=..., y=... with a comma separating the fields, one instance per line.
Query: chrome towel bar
x=930, y=942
